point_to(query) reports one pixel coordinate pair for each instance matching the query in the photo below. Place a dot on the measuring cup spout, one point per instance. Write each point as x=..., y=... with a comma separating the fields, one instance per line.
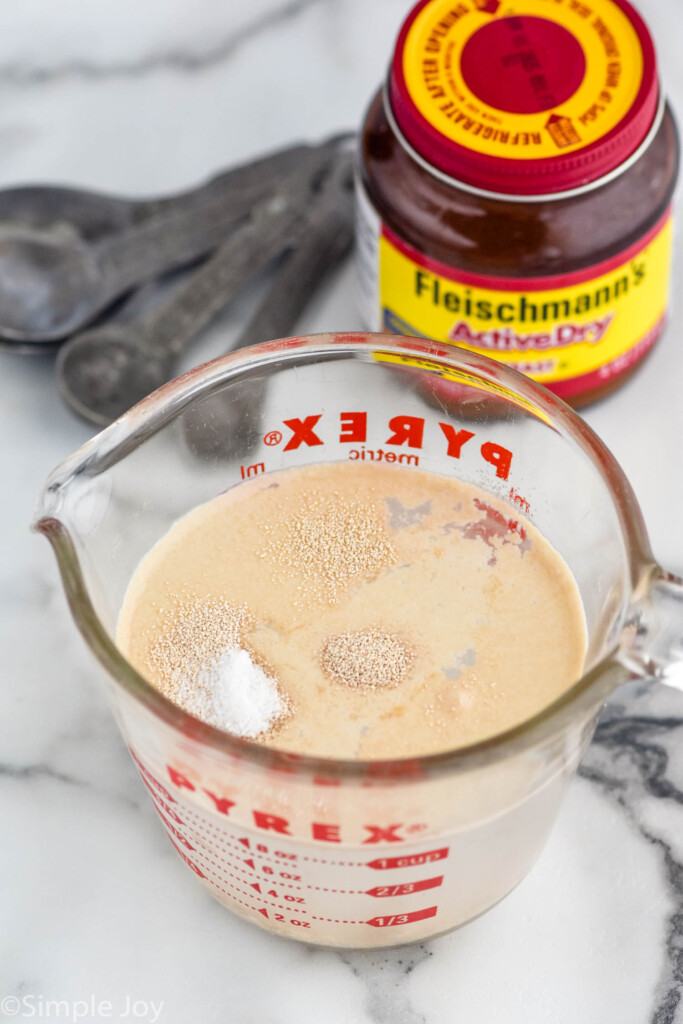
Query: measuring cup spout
x=654, y=634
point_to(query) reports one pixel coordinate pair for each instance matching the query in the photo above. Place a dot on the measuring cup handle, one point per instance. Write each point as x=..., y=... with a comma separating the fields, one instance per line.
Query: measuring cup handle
x=655, y=645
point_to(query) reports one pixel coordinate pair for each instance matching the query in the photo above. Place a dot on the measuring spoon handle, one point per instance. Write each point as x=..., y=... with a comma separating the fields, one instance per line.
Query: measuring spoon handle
x=164, y=243
x=228, y=425
x=183, y=235
x=326, y=238
x=260, y=174
x=251, y=247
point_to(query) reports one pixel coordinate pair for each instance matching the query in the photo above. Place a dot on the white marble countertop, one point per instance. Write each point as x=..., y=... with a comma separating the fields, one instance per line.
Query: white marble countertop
x=94, y=903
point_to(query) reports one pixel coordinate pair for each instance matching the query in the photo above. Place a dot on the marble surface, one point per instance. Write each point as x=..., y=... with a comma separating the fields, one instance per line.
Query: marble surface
x=97, y=911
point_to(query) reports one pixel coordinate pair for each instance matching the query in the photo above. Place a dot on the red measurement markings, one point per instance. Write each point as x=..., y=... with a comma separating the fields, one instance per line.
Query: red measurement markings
x=263, y=849
x=230, y=860
x=256, y=886
x=161, y=805
x=174, y=832
x=261, y=910
x=382, y=863
x=265, y=869
x=193, y=867
x=396, y=919
x=406, y=888
x=296, y=921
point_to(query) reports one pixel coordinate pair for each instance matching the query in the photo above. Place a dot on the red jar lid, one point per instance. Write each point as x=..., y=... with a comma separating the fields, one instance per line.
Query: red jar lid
x=525, y=97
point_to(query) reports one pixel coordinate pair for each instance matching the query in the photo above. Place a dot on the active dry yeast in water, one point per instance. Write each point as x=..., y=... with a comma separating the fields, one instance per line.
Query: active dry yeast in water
x=356, y=611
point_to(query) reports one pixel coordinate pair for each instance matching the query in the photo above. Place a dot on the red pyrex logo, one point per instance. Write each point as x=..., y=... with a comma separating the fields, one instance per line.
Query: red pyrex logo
x=324, y=831
x=401, y=432
x=328, y=832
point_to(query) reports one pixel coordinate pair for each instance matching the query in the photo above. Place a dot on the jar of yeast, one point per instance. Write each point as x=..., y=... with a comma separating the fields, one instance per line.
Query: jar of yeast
x=515, y=190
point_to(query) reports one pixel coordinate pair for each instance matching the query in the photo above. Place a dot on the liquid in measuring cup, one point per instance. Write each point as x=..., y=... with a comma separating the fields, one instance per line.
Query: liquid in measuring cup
x=367, y=612
x=386, y=613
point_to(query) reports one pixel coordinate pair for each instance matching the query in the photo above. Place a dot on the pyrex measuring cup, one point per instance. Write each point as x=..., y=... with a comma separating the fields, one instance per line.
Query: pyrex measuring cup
x=352, y=853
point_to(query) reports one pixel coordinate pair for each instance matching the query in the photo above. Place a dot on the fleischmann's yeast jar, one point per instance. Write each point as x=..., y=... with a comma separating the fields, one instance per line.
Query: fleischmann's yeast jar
x=515, y=190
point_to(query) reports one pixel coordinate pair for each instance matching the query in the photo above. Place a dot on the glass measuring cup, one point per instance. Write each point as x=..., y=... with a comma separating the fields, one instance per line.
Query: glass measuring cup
x=351, y=853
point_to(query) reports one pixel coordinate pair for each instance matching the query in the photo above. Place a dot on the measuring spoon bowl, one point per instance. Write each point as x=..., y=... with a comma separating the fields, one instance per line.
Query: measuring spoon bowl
x=46, y=280
x=93, y=215
x=112, y=367
x=54, y=283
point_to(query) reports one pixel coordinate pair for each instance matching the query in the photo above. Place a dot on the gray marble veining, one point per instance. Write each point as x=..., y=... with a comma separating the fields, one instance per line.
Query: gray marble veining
x=630, y=761
x=383, y=974
x=213, y=53
x=94, y=900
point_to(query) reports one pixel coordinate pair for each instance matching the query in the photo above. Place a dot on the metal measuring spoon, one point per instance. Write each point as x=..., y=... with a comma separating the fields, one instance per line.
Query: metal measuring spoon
x=77, y=213
x=94, y=215
x=101, y=373
x=133, y=304
x=53, y=282
x=226, y=427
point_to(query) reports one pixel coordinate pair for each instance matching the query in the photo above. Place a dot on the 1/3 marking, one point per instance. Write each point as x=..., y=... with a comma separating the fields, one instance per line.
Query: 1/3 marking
x=398, y=919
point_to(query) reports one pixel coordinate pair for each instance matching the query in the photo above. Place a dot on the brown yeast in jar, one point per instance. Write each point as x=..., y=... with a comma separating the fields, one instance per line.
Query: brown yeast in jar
x=517, y=172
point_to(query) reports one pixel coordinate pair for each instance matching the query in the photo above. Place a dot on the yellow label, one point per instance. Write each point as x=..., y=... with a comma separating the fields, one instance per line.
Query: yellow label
x=596, y=322
x=457, y=376
x=523, y=79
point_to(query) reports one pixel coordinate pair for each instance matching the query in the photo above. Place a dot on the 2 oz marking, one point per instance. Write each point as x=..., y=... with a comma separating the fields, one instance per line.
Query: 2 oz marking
x=281, y=917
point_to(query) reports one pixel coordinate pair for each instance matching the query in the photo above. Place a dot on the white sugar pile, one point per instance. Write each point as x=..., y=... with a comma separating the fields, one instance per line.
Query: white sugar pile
x=235, y=694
